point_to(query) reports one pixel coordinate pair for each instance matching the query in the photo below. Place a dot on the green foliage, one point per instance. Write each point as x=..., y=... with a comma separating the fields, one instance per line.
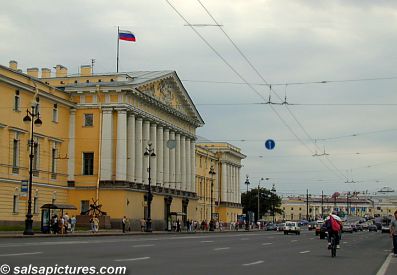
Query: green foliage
x=269, y=202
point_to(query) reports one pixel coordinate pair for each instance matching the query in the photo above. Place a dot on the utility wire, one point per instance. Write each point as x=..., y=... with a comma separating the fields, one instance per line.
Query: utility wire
x=264, y=80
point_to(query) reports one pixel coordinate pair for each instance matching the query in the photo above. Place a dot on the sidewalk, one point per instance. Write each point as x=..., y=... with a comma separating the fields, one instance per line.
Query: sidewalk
x=104, y=232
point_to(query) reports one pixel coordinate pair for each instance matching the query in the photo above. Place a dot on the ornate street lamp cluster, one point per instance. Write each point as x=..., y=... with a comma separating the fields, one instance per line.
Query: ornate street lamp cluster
x=32, y=117
x=149, y=152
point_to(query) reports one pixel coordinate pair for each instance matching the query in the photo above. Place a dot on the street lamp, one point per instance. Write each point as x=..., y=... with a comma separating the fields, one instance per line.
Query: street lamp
x=212, y=173
x=273, y=202
x=247, y=182
x=149, y=152
x=259, y=186
x=32, y=117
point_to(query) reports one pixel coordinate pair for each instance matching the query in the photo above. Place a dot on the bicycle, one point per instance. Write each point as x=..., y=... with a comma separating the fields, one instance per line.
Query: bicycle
x=333, y=245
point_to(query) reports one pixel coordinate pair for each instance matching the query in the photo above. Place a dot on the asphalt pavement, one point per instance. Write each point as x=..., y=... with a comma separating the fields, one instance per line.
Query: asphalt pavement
x=255, y=252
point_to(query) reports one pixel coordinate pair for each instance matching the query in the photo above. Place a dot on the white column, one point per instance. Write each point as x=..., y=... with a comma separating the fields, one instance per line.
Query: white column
x=178, y=171
x=71, y=147
x=172, y=161
x=166, y=158
x=145, y=142
x=229, y=178
x=153, y=160
x=238, y=185
x=183, y=163
x=121, y=146
x=224, y=182
x=131, y=148
x=188, y=161
x=234, y=184
x=160, y=153
x=138, y=150
x=193, y=166
x=106, y=148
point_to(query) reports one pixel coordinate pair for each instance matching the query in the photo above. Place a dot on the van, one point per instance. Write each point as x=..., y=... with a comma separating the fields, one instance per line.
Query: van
x=292, y=227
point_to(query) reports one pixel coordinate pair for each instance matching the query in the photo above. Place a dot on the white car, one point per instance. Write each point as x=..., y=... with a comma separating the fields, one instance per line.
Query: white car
x=292, y=227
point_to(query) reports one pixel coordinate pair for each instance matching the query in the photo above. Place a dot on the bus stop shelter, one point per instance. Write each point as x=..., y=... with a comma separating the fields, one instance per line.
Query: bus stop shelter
x=47, y=211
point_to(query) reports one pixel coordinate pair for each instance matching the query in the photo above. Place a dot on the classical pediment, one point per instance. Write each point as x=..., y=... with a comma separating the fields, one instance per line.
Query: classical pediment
x=169, y=91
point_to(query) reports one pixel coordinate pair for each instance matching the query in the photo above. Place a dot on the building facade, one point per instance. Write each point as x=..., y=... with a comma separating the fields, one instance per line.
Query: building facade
x=92, y=143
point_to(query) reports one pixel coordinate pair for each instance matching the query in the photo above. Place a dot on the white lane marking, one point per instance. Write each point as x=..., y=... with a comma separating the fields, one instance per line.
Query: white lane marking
x=221, y=248
x=20, y=254
x=311, y=238
x=270, y=237
x=304, y=252
x=206, y=241
x=267, y=243
x=383, y=268
x=254, y=263
x=344, y=242
x=133, y=259
x=294, y=241
x=244, y=239
x=143, y=245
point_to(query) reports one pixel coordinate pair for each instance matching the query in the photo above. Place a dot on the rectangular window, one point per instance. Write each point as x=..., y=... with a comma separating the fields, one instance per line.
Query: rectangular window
x=36, y=158
x=88, y=163
x=85, y=206
x=17, y=102
x=54, y=153
x=35, y=205
x=55, y=113
x=15, y=156
x=15, y=204
x=88, y=120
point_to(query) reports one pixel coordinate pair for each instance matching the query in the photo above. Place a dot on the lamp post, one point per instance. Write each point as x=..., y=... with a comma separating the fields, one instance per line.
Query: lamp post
x=212, y=173
x=32, y=117
x=247, y=182
x=149, y=152
x=273, y=202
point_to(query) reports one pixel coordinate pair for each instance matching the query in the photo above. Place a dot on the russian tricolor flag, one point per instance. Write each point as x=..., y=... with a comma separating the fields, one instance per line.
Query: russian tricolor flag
x=127, y=36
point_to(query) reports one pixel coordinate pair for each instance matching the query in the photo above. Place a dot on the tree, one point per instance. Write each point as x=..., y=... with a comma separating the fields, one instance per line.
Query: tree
x=269, y=202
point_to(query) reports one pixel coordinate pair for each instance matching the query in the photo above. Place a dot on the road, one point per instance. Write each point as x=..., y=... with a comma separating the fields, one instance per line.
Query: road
x=224, y=253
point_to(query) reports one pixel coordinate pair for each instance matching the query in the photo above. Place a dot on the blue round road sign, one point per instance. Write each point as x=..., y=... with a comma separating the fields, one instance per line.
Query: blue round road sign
x=269, y=144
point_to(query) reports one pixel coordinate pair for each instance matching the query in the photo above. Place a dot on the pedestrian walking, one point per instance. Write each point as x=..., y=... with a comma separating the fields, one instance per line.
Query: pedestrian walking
x=95, y=221
x=393, y=233
x=143, y=223
x=123, y=222
x=73, y=221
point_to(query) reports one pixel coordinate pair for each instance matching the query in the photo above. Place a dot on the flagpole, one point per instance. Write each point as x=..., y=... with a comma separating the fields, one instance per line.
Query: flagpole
x=118, y=41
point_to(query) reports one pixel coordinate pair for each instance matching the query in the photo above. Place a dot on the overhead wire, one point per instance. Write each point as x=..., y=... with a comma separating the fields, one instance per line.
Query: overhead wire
x=264, y=80
x=245, y=81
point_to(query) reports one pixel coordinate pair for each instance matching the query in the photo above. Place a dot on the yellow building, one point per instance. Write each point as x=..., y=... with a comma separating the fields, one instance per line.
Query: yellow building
x=92, y=143
x=226, y=197
x=19, y=92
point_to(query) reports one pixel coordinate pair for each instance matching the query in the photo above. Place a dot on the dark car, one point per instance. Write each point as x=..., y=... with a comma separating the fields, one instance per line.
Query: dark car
x=372, y=227
x=271, y=227
x=311, y=226
x=385, y=228
x=359, y=227
x=323, y=231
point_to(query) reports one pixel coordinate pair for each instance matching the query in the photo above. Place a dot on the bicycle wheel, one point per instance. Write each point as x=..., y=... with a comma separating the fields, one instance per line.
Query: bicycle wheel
x=333, y=246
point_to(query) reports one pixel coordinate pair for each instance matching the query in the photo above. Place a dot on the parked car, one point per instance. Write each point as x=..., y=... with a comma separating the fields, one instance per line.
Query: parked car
x=292, y=227
x=347, y=227
x=372, y=227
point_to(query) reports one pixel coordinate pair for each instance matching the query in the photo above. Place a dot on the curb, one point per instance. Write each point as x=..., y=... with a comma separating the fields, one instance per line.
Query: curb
x=110, y=234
